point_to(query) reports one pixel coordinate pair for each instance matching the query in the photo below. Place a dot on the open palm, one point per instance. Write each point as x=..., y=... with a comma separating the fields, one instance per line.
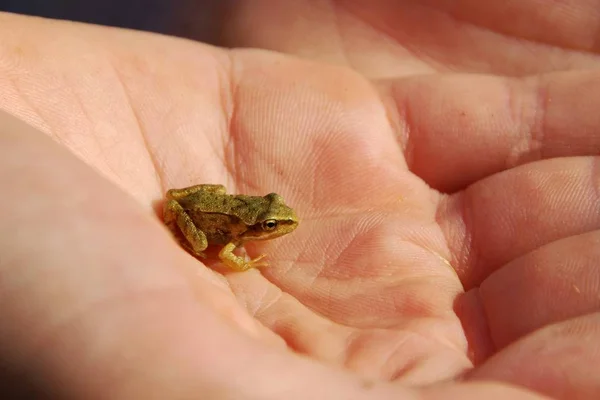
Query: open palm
x=436, y=230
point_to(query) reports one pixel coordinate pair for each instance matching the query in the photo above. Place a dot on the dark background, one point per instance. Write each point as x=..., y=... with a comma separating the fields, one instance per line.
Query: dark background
x=195, y=19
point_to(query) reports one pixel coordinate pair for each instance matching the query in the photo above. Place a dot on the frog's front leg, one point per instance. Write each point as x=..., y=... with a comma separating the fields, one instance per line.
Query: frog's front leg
x=239, y=263
x=176, y=217
x=177, y=194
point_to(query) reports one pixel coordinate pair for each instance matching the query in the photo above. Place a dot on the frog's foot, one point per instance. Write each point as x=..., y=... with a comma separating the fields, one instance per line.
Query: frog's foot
x=241, y=264
x=238, y=263
x=258, y=262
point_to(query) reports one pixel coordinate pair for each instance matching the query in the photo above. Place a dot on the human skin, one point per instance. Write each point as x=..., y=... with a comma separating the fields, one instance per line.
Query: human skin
x=448, y=244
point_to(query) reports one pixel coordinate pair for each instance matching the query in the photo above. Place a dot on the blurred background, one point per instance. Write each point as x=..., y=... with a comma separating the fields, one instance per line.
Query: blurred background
x=195, y=19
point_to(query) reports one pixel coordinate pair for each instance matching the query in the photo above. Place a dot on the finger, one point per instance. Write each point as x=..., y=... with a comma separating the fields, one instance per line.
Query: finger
x=559, y=360
x=461, y=128
x=565, y=25
x=421, y=37
x=557, y=282
x=512, y=213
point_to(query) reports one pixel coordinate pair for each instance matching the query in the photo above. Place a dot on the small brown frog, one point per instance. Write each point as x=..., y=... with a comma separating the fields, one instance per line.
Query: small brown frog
x=205, y=214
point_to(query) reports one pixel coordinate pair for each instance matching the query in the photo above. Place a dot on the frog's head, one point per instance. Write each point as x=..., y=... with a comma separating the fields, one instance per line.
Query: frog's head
x=277, y=220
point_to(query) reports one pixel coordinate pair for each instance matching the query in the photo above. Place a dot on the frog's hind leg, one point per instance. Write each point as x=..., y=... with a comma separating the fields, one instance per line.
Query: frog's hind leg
x=176, y=194
x=177, y=219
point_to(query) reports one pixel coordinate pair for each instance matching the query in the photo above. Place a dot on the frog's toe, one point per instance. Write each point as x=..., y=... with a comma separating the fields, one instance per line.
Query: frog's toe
x=258, y=262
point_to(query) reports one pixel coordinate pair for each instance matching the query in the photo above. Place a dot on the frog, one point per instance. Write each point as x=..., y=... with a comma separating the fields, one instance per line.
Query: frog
x=204, y=214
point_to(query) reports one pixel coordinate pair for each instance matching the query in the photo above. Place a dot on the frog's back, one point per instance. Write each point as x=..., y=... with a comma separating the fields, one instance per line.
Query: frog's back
x=218, y=228
x=222, y=218
x=245, y=208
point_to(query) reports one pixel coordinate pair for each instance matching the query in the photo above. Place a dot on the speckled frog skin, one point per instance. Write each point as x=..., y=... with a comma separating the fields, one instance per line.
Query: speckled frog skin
x=205, y=214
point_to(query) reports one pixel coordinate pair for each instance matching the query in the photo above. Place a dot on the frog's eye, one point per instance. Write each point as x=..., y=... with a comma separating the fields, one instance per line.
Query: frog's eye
x=269, y=224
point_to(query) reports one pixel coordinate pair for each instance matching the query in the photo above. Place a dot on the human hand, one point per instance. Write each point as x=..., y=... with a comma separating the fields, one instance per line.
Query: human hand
x=372, y=281
x=384, y=39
